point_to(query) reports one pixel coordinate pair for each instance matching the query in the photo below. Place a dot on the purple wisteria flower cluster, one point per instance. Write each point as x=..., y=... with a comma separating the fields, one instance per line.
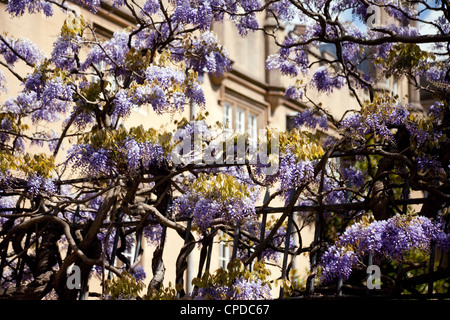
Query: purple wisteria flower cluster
x=216, y=199
x=389, y=239
x=311, y=120
x=242, y=289
x=14, y=50
x=18, y=8
x=386, y=116
x=325, y=82
x=234, y=283
x=39, y=185
x=337, y=262
x=294, y=171
x=102, y=161
x=93, y=162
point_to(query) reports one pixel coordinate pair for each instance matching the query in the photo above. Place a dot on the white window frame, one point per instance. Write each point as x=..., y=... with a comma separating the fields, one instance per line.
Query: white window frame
x=130, y=254
x=253, y=129
x=224, y=253
x=394, y=86
x=240, y=120
x=228, y=116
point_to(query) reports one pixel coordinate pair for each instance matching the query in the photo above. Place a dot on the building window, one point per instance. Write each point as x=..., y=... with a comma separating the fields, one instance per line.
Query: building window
x=253, y=130
x=228, y=116
x=130, y=253
x=242, y=119
x=224, y=253
x=290, y=122
x=394, y=87
x=130, y=250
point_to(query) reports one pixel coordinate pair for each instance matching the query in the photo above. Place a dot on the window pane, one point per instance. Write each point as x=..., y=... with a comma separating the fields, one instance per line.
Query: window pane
x=290, y=123
x=224, y=253
x=227, y=116
x=252, y=129
x=240, y=121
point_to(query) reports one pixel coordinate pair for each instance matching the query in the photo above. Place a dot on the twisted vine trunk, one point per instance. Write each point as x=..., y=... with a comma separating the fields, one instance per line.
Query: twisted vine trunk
x=163, y=192
x=41, y=266
x=89, y=245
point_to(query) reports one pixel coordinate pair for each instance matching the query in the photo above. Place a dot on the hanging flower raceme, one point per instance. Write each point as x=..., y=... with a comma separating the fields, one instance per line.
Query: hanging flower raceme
x=390, y=239
x=216, y=198
x=234, y=283
x=14, y=50
x=108, y=151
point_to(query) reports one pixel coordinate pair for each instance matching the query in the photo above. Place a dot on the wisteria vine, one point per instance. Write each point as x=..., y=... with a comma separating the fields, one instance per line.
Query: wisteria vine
x=91, y=188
